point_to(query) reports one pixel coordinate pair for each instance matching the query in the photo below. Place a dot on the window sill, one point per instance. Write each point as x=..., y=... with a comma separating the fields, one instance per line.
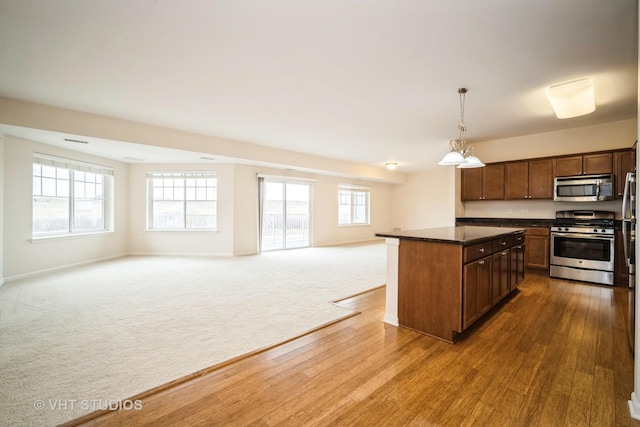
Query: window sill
x=354, y=225
x=59, y=237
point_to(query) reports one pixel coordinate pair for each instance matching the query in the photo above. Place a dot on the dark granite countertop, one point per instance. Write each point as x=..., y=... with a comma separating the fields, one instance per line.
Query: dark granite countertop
x=466, y=235
x=509, y=222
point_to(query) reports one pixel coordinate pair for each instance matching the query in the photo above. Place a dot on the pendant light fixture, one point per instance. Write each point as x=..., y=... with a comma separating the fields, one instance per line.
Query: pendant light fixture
x=461, y=155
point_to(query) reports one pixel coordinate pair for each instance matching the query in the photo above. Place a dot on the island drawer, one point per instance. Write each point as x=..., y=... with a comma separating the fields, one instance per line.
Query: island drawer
x=502, y=243
x=516, y=240
x=474, y=252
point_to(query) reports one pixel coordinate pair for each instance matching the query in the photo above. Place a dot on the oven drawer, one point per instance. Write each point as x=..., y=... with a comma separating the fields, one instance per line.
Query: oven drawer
x=474, y=252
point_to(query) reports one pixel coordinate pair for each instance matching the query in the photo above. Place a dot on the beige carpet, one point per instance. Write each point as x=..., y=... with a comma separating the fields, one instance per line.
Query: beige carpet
x=81, y=338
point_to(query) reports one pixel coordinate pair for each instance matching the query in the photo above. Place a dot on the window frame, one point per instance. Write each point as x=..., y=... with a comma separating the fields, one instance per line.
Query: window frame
x=72, y=168
x=353, y=190
x=185, y=176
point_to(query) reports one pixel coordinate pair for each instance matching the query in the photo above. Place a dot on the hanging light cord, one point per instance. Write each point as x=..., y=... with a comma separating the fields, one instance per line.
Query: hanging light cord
x=461, y=127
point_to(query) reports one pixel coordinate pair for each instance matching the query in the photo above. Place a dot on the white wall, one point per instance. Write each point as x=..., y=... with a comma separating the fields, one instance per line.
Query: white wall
x=426, y=200
x=23, y=256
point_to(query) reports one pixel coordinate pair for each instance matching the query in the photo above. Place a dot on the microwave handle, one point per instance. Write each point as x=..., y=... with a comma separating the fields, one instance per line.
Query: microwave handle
x=597, y=189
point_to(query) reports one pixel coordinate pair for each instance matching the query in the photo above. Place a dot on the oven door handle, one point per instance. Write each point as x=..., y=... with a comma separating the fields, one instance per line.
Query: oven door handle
x=583, y=236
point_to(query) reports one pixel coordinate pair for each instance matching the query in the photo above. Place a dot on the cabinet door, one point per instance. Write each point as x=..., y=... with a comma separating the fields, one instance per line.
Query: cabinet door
x=500, y=277
x=516, y=269
x=537, y=254
x=597, y=163
x=493, y=182
x=476, y=290
x=516, y=184
x=472, y=184
x=567, y=166
x=541, y=179
x=623, y=162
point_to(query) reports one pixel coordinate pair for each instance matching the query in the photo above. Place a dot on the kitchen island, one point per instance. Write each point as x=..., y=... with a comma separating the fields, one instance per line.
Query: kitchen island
x=440, y=281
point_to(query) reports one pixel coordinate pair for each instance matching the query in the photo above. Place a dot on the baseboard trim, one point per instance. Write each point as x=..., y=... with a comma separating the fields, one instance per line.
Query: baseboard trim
x=392, y=320
x=634, y=406
x=351, y=242
x=60, y=268
x=183, y=254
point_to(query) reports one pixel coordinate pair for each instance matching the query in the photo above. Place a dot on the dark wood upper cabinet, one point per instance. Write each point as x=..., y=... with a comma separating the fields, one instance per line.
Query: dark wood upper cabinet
x=541, y=179
x=623, y=162
x=597, y=163
x=493, y=182
x=533, y=178
x=516, y=180
x=588, y=164
x=567, y=166
x=529, y=179
x=485, y=183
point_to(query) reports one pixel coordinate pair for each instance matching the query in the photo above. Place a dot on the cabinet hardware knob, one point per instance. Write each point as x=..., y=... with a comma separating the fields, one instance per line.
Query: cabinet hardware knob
x=503, y=243
x=480, y=262
x=481, y=249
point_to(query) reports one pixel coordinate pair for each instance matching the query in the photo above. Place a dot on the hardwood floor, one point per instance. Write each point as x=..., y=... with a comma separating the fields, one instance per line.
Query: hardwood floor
x=555, y=353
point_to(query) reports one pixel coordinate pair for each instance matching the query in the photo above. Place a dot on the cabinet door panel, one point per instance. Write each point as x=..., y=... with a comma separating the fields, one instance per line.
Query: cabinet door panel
x=567, y=166
x=472, y=184
x=476, y=293
x=541, y=179
x=516, y=180
x=516, y=271
x=500, y=277
x=597, y=163
x=537, y=255
x=493, y=182
x=623, y=162
x=484, y=286
x=470, y=294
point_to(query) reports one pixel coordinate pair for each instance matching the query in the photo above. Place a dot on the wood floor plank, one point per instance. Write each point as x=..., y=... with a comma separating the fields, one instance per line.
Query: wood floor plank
x=555, y=353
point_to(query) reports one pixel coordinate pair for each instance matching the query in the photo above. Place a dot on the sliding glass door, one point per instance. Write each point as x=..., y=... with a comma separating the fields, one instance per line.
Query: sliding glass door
x=285, y=215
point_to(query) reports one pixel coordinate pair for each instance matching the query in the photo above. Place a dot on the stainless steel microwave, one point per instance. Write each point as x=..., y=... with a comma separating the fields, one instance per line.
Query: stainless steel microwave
x=583, y=188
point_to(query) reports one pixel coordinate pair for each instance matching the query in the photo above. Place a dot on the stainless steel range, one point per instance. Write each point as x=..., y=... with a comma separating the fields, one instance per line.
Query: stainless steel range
x=583, y=246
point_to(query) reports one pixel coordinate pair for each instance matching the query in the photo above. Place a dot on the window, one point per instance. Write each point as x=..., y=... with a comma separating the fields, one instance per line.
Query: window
x=353, y=205
x=69, y=197
x=183, y=200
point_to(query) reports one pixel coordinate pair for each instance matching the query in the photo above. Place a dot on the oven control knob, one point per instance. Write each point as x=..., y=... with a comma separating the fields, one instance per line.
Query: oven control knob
x=604, y=231
x=595, y=230
x=566, y=229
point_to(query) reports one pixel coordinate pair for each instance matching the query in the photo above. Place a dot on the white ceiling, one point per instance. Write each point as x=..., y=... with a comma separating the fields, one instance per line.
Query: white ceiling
x=363, y=81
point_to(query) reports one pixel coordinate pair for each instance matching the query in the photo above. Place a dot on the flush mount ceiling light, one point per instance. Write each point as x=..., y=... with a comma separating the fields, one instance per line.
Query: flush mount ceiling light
x=572, y=99
x=461, y=155
x=391, y=166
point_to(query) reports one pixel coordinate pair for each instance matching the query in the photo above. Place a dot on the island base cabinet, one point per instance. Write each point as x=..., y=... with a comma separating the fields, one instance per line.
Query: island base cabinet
x=444, y=288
